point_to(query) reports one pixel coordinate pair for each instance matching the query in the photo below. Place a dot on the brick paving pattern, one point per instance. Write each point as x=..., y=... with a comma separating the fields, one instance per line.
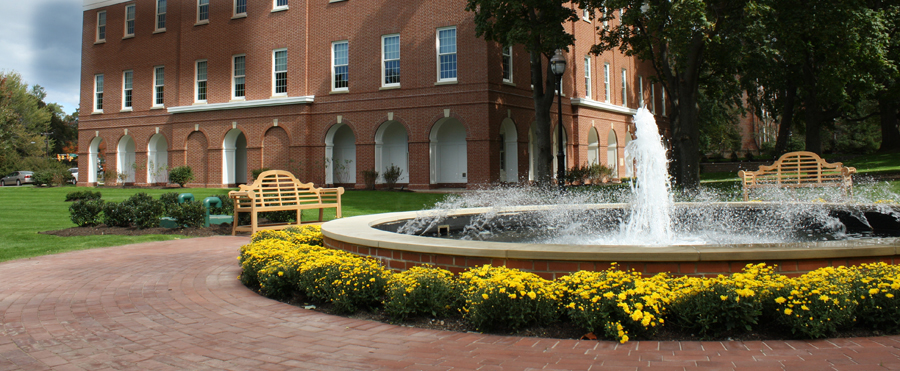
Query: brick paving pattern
x=177, y=305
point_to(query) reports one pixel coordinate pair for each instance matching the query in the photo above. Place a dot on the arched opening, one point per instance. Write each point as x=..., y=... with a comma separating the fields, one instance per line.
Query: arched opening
x=509, y=145
x=629, y=162
x=95, y=158
x=392, y=148
x=234, y=158
x=157, y=159
x=340, y=155
x=449, y=163
x=593, y=152
x=555, y=149
x=612, y=153
x=125, y=159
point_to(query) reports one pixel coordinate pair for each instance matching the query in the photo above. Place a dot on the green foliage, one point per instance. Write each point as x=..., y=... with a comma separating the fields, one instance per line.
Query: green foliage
x=227, y=207
x=422, y=291
x=86, y=212
x=23, y=117
x=876, y=290
x=718, y=126
x=181, y=175
x=145, y=210
x=369, y=177
x=169, y=200
x=188, y=214
x=82, y=195
x=500, y=298
x=347, y=281
x=256, y=172
x=818, y=303
x=116, y=214
x=391, y=175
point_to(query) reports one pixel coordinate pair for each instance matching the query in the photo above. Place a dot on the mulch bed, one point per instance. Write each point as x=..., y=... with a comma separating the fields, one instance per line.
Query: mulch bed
x=102, y=229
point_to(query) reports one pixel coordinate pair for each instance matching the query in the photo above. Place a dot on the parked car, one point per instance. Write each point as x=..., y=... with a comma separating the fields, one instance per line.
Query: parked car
x=18, y=177
x=74, y=171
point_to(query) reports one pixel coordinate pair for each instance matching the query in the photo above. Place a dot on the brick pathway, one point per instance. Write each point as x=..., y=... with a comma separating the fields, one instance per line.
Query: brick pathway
x=178, y=305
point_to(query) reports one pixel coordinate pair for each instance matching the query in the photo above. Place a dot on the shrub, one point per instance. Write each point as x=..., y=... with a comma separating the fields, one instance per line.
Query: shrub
x=115, y=214
x=876, y=289
x=305, y=234
x=369, y=177
x=258, y=254
x=181, y=175
x=255, y=173
x=82, y=195
x=391, y=175
x=598, y=172
x=503, y=298
x=347, y=281
x=283, y=216
x=109, y=175
x=422, y=290
x=145, y=210
x=169, y=200
x=227, y=207
x=86, y=212
x=818, y=303
x=188, y=214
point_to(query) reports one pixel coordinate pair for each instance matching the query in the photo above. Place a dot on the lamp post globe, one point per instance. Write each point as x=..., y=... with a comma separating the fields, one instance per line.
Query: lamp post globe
x=558, y=66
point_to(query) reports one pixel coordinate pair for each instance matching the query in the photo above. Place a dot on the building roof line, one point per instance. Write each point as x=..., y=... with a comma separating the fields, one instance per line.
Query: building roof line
x=307, y=99
x=95, y=4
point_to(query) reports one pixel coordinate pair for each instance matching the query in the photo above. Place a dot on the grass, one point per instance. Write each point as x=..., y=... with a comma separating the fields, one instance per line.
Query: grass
x=28, y=210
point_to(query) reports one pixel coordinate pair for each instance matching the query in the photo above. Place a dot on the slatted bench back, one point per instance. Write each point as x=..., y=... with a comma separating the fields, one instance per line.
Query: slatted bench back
x=798, y=168
x=274, y=188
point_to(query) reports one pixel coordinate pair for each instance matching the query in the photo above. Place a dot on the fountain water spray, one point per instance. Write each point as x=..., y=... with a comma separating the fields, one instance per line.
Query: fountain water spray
x=650, y=222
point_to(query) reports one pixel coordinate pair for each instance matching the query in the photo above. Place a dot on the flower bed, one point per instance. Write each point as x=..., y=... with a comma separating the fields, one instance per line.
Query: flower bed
x=615, y=304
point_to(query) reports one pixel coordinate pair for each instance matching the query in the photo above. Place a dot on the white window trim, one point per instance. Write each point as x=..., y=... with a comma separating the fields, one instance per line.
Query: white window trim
x=383, y=60
x=234, y=12
x=605, y=21
x=624, y=87
x=97, y=38
x=653, y=98
x=606, y=90
x=156, y=18
x=663, y=92
x=333, y=75
x=155, y=87
x=199, y=21
x=277, y=8
x=640, y=91
x=234, y=77
x=437, y=50
x=197, y=81
x=508, y=48
x=125, y=24
x=97, y=77
x=586, y=15
x=274, y=94
x=126, y=90
x=588, y=88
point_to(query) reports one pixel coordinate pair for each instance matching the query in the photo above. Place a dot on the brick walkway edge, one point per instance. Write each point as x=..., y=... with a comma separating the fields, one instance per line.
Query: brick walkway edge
x=177, y=305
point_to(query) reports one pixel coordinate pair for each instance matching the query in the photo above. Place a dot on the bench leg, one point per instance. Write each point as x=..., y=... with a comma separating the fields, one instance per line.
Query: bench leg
x=234, y=223
x=746, y=195
x=338, y=212
x=299, y=217
x=253, y=221
x=321, y=214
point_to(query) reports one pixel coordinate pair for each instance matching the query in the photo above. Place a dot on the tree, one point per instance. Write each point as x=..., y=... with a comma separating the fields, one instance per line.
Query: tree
x=687, y=42
x=889, y=78
x=538, y=26
x=22, y=119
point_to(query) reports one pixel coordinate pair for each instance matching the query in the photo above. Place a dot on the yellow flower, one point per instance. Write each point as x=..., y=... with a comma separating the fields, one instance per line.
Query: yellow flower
x=532, y=295
x=873, y=291
x=788, y=311
x=804, y=307
x=780, y=300
x=889, y=295
x=485, y=296
x=512, y=296
x=280, y=274
x=723, y=297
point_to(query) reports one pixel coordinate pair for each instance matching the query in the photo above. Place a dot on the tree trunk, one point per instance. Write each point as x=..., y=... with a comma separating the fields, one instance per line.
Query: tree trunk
x=543, y=157
x=890, y=134
x=787, y=120
x=685, y=166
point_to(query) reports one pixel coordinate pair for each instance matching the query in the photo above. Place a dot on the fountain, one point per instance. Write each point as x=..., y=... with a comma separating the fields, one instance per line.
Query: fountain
x=553, y=234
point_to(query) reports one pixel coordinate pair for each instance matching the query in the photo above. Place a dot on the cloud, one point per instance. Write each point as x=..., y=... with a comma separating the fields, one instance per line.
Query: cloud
x=56, y=50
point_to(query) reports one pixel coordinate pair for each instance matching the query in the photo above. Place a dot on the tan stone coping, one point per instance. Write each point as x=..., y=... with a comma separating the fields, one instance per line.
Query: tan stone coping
x=358, y=231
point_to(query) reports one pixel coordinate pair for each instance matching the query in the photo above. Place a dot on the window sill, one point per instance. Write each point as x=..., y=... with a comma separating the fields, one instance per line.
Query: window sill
x=389, y=87
x=448, y=82
x=99, y=112
x=201, y=23
x=157, y=107
x=508, y=83
x=199, y=103
x=98, y=42
x=279, y=9
x=239, y=16
x=128, y=37
x=335, y=1
x=129, y=109
x=344, y=91
x=238, y=99
x=279, y=96
x=161, y=30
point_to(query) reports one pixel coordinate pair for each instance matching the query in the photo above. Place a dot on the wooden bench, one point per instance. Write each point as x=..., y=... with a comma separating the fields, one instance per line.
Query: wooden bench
x=798, y=169
x=277, y=190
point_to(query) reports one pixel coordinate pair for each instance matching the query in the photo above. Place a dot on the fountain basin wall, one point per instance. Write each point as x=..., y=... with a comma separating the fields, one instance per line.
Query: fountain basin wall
x=400, y=252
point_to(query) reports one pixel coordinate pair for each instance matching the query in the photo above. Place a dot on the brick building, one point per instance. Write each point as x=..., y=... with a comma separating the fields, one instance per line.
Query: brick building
x=330, y=89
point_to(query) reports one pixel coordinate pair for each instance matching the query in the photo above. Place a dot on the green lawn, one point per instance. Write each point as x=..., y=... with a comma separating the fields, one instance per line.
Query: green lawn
x=28, y=210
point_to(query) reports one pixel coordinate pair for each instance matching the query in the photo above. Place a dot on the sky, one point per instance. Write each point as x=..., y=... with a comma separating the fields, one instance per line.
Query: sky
x=41, y=40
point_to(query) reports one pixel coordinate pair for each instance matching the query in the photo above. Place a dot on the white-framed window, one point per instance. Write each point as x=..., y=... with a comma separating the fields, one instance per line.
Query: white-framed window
x=586, y=15
x=239, y=76
x=507, y=64
x=159, y=81
x=202, y=11
x=279, y=72
x=640, y=91
x=279, y=5
x=624, y=87
x=606, y=82
x=160, y=15
x=587, y=77
x=127, y=79
x=663, y=92
x=446, y=52
x=653, y=98
x=129, y=20
x=101, y=26
x=339, y=65
x=240, y=8
x=390, y=60
x=605, y=21
x=200, y=85
x=98, y=93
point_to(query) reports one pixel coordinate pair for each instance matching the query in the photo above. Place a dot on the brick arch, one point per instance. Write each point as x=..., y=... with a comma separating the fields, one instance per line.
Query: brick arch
x=196, y=155
x=276, y=148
